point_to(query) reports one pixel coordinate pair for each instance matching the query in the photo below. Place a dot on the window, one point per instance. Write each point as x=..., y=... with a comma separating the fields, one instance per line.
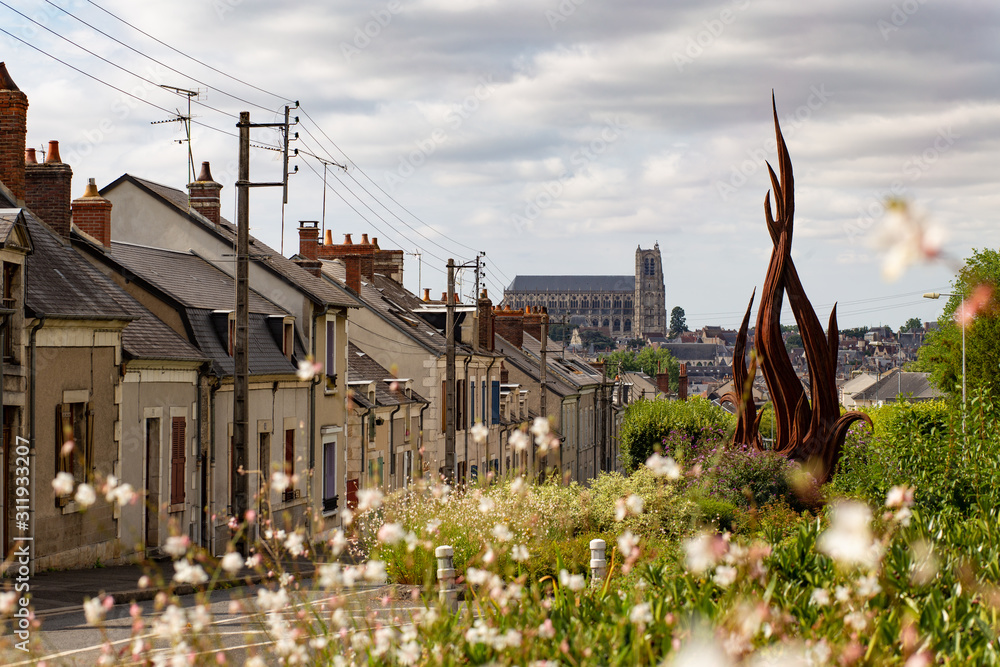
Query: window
x=329, y=473
x=331, y=354
x=472, y=401
x=287, y=337
x=232, y=333
x=74, y=437
x=178, y=444
x=289, y=469
x=495, y=388
x=6, y=330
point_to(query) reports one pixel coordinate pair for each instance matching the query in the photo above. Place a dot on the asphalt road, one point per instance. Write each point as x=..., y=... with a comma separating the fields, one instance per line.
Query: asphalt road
x=65, y=638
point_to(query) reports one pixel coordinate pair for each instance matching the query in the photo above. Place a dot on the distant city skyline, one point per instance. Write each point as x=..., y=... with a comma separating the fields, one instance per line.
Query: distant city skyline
x=554, y=136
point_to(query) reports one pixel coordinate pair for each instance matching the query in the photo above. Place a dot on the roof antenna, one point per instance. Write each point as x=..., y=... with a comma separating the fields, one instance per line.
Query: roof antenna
x=186, y=119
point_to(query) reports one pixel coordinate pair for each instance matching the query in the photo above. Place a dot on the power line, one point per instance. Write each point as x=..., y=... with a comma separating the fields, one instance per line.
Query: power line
x=189, y=57
x=158, y=62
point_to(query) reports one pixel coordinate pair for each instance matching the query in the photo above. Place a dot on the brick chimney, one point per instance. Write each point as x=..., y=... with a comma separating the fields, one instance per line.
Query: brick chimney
x=484, y=322
x=309, y=247
x=204, y=195
x=13, y=134
x=533, y=322
x=682, y=384
x=509, y=324
x=92, y=214
x=352, y=277
x=48, y=190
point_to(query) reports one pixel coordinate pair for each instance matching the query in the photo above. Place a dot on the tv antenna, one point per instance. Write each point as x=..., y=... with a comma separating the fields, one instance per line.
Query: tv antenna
x=186, y=119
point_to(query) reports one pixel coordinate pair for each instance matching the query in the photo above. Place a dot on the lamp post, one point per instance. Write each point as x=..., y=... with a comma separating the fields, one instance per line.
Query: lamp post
x=938, y=295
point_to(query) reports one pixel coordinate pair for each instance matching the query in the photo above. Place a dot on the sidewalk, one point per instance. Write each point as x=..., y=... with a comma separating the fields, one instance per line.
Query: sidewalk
x=68, y=589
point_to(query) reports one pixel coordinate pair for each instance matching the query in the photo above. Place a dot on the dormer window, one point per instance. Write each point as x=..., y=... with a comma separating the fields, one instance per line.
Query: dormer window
x=288, y=337
x=232, y=333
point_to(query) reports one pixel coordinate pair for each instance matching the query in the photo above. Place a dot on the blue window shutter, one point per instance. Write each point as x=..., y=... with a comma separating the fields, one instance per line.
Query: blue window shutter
x=496, y=401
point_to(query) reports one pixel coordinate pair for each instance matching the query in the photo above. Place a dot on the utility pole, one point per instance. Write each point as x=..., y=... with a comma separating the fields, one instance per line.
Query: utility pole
x=541, y=375
x=241, y=328
x=449, y=403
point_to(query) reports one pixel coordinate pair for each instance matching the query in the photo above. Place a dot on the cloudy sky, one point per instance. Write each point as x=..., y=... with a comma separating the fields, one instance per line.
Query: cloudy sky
x=556, y=136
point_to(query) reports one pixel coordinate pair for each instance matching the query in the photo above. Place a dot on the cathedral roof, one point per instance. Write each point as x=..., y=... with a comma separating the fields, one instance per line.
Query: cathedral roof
x=572, y=284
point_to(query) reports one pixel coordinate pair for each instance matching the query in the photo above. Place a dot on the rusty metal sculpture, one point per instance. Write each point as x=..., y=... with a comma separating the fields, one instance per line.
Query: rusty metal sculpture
x=808, y=429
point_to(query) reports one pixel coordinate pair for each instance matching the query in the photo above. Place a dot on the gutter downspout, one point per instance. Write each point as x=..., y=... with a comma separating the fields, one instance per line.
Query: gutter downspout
x=201, y=455
x=392, y=445
x=211, y=455
x=488, y=421
x=312, y=420
x=31, y=437
x=420, y=449
x=364, y=437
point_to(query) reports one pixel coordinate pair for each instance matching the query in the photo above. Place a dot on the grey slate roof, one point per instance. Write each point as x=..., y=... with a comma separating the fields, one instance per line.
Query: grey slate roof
x=147, y=337
x=191, y=280
x=265, y=355
x=62, y=283
x=912, y=386
x=694, y=351
x=362, y=368
x=313, y=286
x=572, y=284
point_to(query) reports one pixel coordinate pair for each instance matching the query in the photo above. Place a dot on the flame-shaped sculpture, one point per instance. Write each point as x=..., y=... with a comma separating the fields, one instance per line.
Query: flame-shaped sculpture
x=808, y=429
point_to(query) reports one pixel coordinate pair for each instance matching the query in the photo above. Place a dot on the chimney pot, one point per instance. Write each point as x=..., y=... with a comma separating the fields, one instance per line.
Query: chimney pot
x=30, y=157
x=375, y=242
x=92, y=214
x=347, y=240
x=427, y=294
x=364, y=239
x=328, y=237
x=206, y=172
x=53, y=157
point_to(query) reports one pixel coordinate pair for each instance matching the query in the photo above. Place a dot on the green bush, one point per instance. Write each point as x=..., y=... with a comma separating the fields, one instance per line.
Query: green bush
x=665, y=508
x=647, y=424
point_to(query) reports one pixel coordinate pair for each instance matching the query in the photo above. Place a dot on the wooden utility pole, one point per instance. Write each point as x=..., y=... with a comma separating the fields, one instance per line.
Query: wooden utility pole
x=541, y=374
x=241, y=325
x=449, y=401
x=241, y=346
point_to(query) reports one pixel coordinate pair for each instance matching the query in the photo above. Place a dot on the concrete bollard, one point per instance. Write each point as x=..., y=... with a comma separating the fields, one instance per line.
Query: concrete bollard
x=598, y=563
x=446, y=576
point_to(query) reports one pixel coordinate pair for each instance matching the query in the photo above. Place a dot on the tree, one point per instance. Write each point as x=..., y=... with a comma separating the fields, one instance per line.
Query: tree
x=678, y=323
x=912, y=324
x=598, y=339
x=856, y=332
x=978, y=284
x=648, y=360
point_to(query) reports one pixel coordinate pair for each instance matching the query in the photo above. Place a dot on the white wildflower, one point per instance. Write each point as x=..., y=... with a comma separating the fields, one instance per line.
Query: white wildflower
x=94, y=611
x=280, y=481
x=842, y=593
x=641, y=614
x=519, y=440
x=856, y=620
x=330, y=576
x=574, y=582
x=502, y=533
x=518, y=486
x=375, y=572
x=338, y=542
x=232, y=562
x=390, y=533
x=849, y=541
x=121, y=494
x=519, y=553
x=295, y=544
x=634, y=504
x=868, y=586
x=176, y=545
x=906, y=238
x=8, y=600
x=899, y=496
x=63, y=484
x=540, y=429
x=308, y=369
x=479, y=433
x=487, y=504
x=820, y=597
x=627, y=542
x=369, y=499
x=272, y=600
x=725, y=575
x=663, y=466
x=85, y=495
x=187, y=572
x=700, y=553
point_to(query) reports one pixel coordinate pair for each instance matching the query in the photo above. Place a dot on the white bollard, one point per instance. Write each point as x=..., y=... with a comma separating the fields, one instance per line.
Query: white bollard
x=446, y=576
x=598, y=563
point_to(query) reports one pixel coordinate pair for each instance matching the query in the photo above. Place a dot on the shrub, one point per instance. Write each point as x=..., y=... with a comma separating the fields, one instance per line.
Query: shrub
x=648, y=424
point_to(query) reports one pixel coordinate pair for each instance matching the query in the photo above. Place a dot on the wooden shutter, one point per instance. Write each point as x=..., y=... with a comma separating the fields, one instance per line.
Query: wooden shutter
x=178, y=442
x=64, y=433
x=290, y=452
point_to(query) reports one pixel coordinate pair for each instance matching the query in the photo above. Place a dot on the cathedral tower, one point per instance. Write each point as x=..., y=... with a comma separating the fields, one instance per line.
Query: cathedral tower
x=650, y=294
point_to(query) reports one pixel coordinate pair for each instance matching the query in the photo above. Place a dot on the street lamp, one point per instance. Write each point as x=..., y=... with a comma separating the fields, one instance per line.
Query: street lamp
x=938, y=295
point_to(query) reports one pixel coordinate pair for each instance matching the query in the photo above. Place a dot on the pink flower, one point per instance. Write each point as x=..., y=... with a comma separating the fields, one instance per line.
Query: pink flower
x=974, y=304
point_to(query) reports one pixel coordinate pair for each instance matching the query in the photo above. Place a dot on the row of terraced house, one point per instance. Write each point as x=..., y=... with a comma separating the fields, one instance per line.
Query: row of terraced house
x=117, y=336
